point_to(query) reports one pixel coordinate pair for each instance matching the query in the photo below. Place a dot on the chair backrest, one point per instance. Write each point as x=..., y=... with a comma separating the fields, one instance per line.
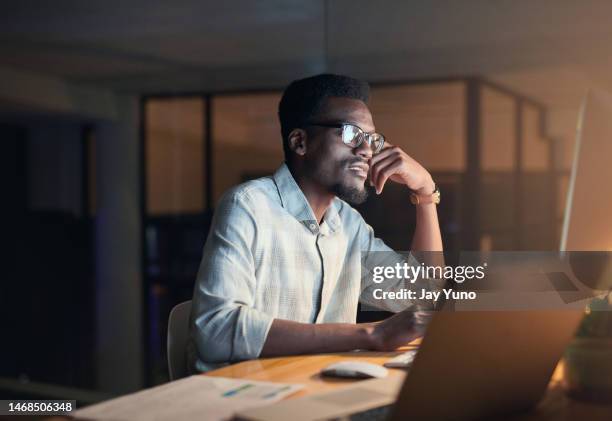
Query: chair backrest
x=178, y=334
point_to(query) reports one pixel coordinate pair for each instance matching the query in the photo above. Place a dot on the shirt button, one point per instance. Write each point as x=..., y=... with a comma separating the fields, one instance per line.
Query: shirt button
x=312, y=226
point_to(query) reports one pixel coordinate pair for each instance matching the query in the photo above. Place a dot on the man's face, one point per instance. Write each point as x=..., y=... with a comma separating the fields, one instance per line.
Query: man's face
x=334, y=165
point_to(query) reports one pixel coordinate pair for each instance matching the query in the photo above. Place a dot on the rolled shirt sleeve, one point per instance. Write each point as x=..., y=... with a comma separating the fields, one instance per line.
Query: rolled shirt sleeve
x=225, y=326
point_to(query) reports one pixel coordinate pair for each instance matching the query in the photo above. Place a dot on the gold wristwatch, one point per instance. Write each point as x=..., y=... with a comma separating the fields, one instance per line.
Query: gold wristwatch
x=417, y=199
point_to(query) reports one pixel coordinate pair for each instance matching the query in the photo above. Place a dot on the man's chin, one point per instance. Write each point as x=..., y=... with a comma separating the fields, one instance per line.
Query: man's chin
x=352, y=194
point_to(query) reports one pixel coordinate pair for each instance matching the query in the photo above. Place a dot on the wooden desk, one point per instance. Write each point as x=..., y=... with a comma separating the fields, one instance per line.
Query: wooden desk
x=305, y=369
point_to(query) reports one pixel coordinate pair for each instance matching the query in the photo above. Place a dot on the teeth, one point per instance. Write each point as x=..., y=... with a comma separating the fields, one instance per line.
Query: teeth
x=359, y=170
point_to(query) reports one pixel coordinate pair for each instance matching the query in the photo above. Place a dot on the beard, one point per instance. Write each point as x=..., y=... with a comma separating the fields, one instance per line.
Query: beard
x=351, y=194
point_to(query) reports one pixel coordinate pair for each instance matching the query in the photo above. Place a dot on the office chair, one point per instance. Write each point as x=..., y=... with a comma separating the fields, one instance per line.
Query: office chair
x=178, y=334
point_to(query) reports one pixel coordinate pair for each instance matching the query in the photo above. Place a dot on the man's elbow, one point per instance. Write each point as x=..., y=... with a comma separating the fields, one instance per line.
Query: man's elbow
x=212, y=335
x=212, y=347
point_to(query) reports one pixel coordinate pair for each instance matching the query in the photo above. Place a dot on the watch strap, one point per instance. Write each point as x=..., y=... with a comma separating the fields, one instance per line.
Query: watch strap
x=423, y=199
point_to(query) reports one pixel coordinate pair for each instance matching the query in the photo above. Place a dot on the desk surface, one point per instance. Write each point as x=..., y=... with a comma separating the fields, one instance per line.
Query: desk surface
x=305, y=369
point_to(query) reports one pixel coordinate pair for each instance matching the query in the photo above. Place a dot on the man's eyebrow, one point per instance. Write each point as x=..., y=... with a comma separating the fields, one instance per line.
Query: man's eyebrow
x=345, y=121
x=354, y=123
x=361, y=127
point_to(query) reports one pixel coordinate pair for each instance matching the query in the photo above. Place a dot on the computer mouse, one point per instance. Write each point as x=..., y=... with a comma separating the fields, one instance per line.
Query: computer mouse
x=354, y=370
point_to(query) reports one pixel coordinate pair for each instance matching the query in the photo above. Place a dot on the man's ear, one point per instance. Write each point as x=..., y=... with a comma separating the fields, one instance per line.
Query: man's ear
x=297, y=141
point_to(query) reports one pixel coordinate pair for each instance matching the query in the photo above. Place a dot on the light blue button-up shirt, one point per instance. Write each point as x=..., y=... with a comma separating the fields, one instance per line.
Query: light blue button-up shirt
x=267, y=257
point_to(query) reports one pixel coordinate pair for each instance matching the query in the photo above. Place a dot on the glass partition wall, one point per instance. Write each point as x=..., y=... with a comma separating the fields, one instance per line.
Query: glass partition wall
x=485, y=146
x=176, y=214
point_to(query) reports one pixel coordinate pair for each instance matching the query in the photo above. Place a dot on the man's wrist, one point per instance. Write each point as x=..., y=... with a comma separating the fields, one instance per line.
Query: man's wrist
x=428, y=189
x=429, y=195
x=367, y=335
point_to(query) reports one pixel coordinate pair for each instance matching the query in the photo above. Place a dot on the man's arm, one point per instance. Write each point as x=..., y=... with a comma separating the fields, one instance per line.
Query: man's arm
x=394, y=164
x=427, y=235
x=289, y=338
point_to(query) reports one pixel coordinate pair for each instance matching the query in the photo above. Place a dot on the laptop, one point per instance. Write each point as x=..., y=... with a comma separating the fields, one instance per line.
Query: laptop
x=483, y=364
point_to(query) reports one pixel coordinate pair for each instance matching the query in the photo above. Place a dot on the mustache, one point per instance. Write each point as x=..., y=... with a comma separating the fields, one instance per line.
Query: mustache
x=350, y=162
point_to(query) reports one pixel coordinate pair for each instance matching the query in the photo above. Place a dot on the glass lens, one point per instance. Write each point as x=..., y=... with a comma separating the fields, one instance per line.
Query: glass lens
x=351, y=135
x=378, y=141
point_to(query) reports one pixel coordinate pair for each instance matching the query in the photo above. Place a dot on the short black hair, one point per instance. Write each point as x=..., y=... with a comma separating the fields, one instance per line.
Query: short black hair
x=304, y=98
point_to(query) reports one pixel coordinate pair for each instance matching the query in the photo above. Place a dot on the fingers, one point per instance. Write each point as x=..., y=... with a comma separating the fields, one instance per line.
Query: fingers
x=394, y=163
x=383, y=165
x=387, y=151
x=383, y=170
x=396, y=331
x=378, y=161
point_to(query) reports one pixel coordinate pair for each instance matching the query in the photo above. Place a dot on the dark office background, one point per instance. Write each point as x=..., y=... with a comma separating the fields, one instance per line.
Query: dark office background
x=123, y=123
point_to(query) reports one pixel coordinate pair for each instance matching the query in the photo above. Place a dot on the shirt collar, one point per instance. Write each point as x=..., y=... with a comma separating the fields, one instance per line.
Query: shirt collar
x=293, y=200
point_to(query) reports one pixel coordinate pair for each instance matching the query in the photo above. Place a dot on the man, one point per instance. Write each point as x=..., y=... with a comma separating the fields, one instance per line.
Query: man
x=281, y=270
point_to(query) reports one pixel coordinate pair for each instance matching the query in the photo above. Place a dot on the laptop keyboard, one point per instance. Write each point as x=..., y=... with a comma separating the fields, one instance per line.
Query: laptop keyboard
x=403, y=360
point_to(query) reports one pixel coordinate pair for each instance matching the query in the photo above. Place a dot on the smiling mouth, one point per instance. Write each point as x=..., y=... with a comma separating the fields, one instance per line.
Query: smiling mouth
x=359, y=171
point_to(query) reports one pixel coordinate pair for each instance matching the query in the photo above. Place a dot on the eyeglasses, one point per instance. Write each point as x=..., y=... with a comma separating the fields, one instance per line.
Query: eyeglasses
x=354, y=136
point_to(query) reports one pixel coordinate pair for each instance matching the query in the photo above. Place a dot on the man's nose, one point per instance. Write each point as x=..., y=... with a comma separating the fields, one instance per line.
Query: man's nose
x=364, y=150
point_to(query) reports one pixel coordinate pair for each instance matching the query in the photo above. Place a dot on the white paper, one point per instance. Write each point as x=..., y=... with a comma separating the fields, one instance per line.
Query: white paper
x=196, y=397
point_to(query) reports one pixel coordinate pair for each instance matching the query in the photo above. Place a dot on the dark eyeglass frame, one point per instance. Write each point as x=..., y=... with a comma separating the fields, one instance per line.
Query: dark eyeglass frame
x=361, y=135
